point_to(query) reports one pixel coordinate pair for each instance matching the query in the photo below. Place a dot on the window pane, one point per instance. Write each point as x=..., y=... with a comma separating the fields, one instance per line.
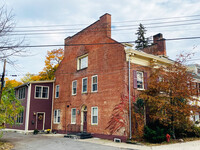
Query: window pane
x=140, y=80
x=83, y=62
x=74, y=86
x=94, y=111
x=94, y=87
x=73, y=111
x=94, y=79
x=38, y=92
x=57, y=91
x=85, y=85
x=94, y=119
x=45, y=92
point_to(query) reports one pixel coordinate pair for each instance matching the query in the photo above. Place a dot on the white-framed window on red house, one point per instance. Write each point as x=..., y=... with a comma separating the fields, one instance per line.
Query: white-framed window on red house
x=56, y=116
x=139, y=80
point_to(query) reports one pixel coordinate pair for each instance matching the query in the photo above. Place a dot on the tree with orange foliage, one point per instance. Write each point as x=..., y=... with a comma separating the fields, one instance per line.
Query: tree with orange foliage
x=30, y=77
x=169, y=95
x=52, y=62
x=11, y=83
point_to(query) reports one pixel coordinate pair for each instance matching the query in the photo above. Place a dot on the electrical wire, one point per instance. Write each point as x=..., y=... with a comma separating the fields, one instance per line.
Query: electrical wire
x=80, y=44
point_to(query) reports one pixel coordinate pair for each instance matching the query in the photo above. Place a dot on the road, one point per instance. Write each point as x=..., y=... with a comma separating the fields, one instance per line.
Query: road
x=42, y=142
x=58, y=142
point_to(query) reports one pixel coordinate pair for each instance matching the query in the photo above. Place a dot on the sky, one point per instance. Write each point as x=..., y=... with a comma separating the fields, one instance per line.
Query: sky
x=174, y=19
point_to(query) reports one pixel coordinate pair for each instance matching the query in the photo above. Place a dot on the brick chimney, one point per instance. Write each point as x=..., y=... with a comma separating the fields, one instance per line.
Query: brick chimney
x=105, y=20
x=161, y=44
x=158, y=47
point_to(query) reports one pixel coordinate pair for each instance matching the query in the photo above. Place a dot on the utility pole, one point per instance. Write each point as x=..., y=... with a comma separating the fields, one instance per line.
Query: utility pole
x=2, y=78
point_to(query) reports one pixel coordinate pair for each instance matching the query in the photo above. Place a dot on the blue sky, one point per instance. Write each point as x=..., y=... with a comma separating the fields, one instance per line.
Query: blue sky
x=85, y=12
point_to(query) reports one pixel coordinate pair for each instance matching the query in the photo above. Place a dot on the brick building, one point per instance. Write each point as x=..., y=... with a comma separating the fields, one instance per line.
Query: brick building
x=93, y=75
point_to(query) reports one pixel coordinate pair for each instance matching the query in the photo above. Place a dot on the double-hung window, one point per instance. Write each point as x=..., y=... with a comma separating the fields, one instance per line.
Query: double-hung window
x=74, y=87
x=94, y=115
x=57, y=91
x=82, y=62
x=41, y=92
x=73, y=116
x=94, y=83
x=84, y=85
x=21, y=93
x=57, y=116
x=20, y=117
x=140, y=80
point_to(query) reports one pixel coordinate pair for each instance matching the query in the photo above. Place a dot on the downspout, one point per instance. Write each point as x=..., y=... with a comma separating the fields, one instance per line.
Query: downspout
x=129, y=96
x=28, y=108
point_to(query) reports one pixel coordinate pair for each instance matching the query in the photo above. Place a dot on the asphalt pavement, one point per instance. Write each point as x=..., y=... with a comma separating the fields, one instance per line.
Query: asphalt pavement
x=58, y=142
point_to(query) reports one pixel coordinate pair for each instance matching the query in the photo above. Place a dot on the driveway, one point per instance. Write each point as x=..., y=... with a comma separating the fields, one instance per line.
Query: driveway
x=58, y=142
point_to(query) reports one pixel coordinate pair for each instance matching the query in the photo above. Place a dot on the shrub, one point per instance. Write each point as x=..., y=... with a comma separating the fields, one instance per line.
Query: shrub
x=35, y=131
x=154, y=136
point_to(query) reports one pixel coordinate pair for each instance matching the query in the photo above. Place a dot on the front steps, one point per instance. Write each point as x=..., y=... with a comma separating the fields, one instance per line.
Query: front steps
x=81, y=135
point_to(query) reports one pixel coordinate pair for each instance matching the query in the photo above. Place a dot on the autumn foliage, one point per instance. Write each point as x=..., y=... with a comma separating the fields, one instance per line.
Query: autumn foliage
x=52, y=62
x=170, y=94
x=119, y=118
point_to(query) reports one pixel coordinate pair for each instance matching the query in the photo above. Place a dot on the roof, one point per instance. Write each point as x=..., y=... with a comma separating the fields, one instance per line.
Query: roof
x=27, y=83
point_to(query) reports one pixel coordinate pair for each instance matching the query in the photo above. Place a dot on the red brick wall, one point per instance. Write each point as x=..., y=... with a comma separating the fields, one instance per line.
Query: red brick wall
x=108, y=61
x=105, y=60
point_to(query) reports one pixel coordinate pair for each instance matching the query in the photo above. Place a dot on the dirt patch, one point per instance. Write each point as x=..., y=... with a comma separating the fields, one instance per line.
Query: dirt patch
x=5, y=146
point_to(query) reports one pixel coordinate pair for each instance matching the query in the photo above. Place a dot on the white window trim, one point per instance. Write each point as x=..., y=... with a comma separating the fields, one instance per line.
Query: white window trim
x=78, y=60
x=82, y=85
x=41, y=92
x=72, y=87
x=56, y=121
x=142, y=80
x=24, y=93
x=20, y=117
x=71, y=116
x=92, y=116
x=58, y=91
x=92, y=84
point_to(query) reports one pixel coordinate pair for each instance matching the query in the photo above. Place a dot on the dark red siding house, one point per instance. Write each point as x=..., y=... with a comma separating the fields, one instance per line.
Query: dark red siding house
x=94, y=74
x=36, y=97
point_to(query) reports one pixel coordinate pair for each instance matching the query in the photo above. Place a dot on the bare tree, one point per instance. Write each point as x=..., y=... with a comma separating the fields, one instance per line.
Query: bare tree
x=9, y=45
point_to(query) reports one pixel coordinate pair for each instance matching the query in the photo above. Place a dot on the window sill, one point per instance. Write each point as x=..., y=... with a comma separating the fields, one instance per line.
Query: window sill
x=40, y=98
x=56, y=123
x=82, y=69
x=73, y=94
x=84, y=93
x=140, y=89
x=94, y=91
x=73, y=123
x=95, y=124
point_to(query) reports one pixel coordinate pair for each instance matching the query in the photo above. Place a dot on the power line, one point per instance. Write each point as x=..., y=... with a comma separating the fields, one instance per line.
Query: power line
x=100, y=25
x=103, y=30
x=62, y=25
x=79, y=44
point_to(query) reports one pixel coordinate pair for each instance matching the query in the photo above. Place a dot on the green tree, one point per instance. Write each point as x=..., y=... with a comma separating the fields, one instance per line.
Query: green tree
x=10, y=107
x=141, y=41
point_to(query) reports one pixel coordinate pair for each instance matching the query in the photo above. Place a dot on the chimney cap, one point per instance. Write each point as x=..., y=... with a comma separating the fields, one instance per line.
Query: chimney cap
x=159, y=35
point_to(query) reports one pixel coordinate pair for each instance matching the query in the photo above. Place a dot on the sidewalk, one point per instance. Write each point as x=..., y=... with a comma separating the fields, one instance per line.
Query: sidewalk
x=193, y=145
x=114, y=144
